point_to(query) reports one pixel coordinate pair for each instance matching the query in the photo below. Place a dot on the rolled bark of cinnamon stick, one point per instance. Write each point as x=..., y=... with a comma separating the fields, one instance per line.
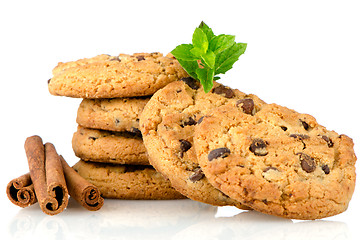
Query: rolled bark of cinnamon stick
x=56, y=185
x=43, y=162
x=85, y=193
x=20, y=191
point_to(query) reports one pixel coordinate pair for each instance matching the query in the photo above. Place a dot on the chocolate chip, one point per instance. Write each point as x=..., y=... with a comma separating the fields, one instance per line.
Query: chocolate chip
x=224, y=91
x=219, y=152
x=189, y=122
x=245, y=191
x=92, y=138
x=270, y=168
x=184, y=147
x=140, y=58
x=284, y=128
x=258, y=147
x=116, y=121
x=197, y=175
x=299, y=136
x=136, y=131
x=246, y=104
x=305, y=125
x=192, y=83
x=328, y=140
x=200, y=120
x=307, y=162
x=325, y=169
x=49, y=80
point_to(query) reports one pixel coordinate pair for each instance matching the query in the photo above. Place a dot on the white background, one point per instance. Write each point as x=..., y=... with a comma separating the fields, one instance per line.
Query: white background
x=306, y=55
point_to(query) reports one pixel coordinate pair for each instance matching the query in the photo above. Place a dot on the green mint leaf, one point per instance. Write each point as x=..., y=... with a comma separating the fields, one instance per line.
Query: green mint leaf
x=221, y=42
x=183, y=52
x=209, y=59
x=199, y=40
x=208, y=55
x=206, y=77
x=225, y=60
x=197, y=52
x=208, y=31
x=190, y=67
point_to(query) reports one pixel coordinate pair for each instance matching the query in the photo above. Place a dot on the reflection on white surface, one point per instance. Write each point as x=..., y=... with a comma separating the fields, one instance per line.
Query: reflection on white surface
x=177, y=219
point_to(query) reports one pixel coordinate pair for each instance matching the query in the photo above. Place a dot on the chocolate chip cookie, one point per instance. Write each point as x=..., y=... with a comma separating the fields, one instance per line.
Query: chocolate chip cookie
x=127, y=181
x=105, y=76
x=116, y=114
x=277, y=161
x=167, y=124
x=106, y=146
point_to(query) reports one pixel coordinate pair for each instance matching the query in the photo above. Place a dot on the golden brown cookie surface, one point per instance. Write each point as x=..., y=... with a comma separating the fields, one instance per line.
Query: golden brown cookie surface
x=127, y=181
x=116, y=114
x=167, y=124
x=106, y=146
x=278, y=161
x=105, y=76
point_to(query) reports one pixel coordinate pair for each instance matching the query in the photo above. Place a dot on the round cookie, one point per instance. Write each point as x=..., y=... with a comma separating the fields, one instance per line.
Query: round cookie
x=127, y=181
x=116, y=114
x=278, y=161
x=105, y=76
x=81, y=62
x=167, y=124
x=112, y=147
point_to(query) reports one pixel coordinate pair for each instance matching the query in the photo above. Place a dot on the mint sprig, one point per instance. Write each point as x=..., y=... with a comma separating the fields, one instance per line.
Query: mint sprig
x=208, y=55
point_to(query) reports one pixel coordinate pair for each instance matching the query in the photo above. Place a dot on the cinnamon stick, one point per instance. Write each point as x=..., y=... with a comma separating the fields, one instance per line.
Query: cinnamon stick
x=48, y=179
x=85, y=193
x=56, y=185
x=49, y=183
x=20, y=191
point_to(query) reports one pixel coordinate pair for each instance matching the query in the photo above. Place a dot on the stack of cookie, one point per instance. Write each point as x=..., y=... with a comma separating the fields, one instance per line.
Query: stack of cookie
x=115, y=90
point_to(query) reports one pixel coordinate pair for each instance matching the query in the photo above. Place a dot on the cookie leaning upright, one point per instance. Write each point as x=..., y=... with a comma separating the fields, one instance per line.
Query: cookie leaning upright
x=167, y=124
x=105, y=76
x=278, y=161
